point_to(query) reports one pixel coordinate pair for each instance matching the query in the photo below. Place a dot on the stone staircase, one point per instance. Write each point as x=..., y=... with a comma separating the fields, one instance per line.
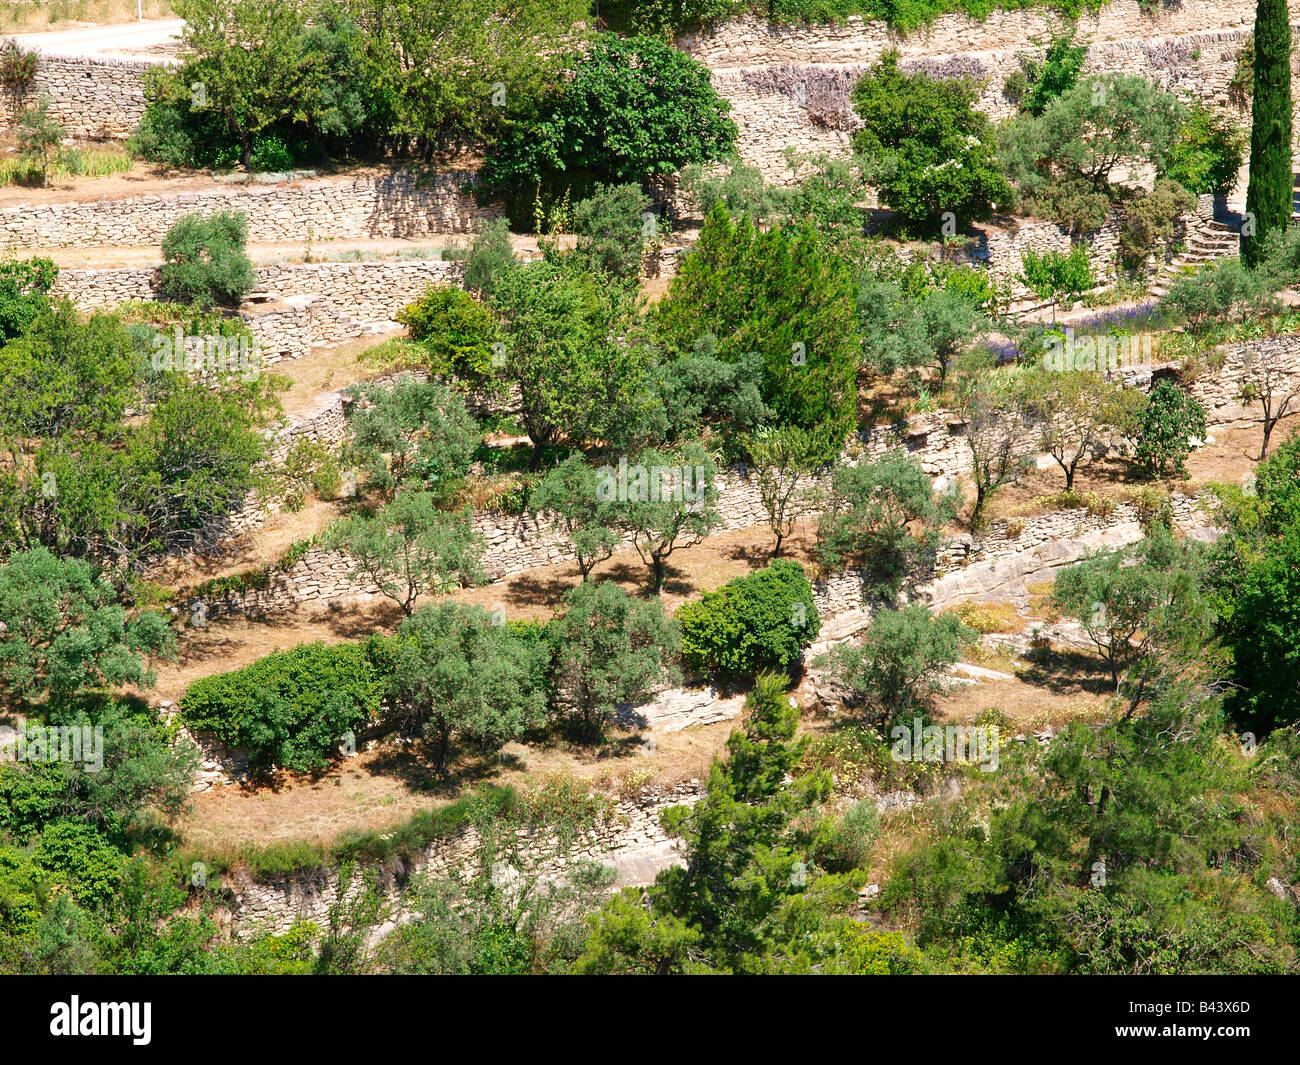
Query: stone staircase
x=1218, y=239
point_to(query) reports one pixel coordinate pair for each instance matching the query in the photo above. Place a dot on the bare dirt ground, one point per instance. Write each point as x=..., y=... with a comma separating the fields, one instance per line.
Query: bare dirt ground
x=325, y=370
x=143, y=179
x=268, y=254
x=149, y=179
x=1232, y=457
x=382, y=787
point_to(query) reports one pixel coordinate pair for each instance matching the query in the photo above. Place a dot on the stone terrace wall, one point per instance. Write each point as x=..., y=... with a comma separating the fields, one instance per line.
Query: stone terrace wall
x=840, y=601
x=372, y=291
x=752, y=41
x=91, y=97
x=516, y=543
x=1191, y=49
x=322, y=304
x=631, y=840
x=1219, y=390
x=365, y=206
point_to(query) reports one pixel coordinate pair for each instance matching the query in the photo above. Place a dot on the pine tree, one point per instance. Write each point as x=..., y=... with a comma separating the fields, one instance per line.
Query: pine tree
x=1268, y=200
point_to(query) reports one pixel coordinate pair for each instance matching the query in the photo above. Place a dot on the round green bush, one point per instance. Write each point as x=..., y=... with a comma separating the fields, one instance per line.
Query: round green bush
x=759, y=622
x=204, y=262
x=291, y=708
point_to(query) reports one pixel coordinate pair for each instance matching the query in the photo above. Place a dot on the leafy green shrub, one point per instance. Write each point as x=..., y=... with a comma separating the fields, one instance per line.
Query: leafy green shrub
x=457, y=676
x=39, y=137
x=883, y=517
x=455, y=329
x=77, y=855
x=610, y=650
x=1055, y=75
x=204, y=259
x=662, y=16
x=1150, y=220
x=1207, y=154
x=1218, y=292
x=759, y=622
x=291, y=708
x=1015, y=87
x=1171, y=416
x=176, y=135
x=270, y=155
x=895, y=673
x=490, y=256
x=734, y=184
x=1057, y=276
x=935, y=153
x=18, y=66
x=1061, y=160
x=611, y=232
x=24, y=291
x=411, y=432
x=309, y=464
x=782, y=294
x=848, y=844
x=635, y=109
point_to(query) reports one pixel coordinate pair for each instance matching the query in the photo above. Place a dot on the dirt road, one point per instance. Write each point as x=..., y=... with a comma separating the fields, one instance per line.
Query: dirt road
x=151, y=39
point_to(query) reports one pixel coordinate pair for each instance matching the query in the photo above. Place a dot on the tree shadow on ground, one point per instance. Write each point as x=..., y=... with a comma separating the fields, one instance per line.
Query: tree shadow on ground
x=526, y=590
x=1070, y=670
x=356, y=621
x=415, y=766
x=756, y=556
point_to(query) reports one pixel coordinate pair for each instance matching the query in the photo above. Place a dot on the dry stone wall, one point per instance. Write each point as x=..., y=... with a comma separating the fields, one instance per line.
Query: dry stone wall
x=319, y=304
x=517, y=543
x=793, y=102
x=631, y=840
x=371, y=291
x=1219, y=390
x=364, y=206
x=90, y=97
x=751, y=41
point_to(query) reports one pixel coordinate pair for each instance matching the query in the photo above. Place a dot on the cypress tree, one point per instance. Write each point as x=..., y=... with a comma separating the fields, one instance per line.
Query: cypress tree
x=1268, y=200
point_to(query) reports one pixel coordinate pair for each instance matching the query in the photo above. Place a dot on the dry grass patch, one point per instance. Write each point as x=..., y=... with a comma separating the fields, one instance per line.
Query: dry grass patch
x=1040, y=602
x=1029, y=706
x=380, y=788
x=987, y=618
x=29, y=16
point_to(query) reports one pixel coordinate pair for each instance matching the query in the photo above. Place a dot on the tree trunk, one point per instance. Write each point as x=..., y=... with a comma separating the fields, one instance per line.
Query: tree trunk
x=444, y=741
x=657, y=569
